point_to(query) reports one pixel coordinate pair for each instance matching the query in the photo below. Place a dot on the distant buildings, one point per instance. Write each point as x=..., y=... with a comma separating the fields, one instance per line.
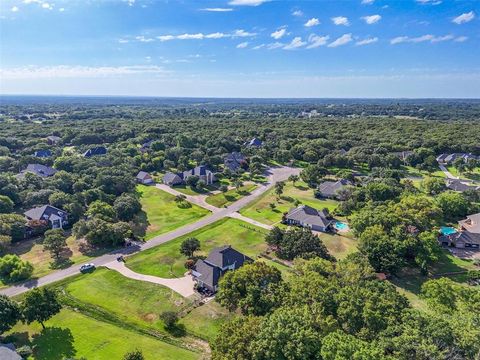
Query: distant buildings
x=53, y=140
x=458, y=185
x=255, y=142
x=96, y=151
x=42, y=153
x=330, y=189
x=39, y=169
x=448, y=159
x=468, y=236
x=234, y=161
x=201, y=171
x=207, y=273
x=144, y=178
x=52, y=216
x=309, y=217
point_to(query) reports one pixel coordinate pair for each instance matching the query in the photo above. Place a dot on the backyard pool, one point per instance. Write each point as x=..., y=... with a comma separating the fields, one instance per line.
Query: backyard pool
x=447, y=230
x=341, y=226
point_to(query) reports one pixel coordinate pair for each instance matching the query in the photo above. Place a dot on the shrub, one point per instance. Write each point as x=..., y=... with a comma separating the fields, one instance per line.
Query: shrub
x=24, y=351
x=13, y=269
x=169, y=319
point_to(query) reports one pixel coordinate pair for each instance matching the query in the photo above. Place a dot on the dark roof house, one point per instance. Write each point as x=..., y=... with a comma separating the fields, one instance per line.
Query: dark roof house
x=234, y=161
x=172, y=179
x=457, y=185
x=53, y=140
x=208, y=272
x=255, y=142
x=309, y=217
x=40, y=170
x=330, y=189
x=144, y=177
x=468, y=236
x=42, y=153
x=55, y=217
x=99, y=150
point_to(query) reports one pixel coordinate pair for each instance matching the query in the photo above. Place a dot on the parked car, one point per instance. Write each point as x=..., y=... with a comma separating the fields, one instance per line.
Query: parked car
x=85, y=268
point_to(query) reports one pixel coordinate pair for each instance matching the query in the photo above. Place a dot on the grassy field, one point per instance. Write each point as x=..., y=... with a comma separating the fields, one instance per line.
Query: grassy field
x=225, y=199
x=338, y=245
x=260, y=209
x=166, y=261
x=70, y=334
x=107, y=290
x=162, y=212
x=472, y=175
x=32, y=250
x=411, y=171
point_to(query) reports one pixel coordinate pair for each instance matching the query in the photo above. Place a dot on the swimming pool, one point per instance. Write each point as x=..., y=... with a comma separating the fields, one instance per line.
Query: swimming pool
x=341, y=226
x=448, y=230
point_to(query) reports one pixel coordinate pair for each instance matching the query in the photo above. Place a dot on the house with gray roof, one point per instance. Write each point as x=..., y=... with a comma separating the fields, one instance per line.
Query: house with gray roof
x=448, y=159
x=42, y=153
x=255, y=142
x=96, y=151
x=144, y=178
x=468, y=235
x=53, y=140
x=330, y=189
x=201, y=171
x=39, y=169
x=308, y=217
x=207, y=273
x=234, y=161
x=459, y=186
x=8, y=352
x=53, y=216
x=172, y=179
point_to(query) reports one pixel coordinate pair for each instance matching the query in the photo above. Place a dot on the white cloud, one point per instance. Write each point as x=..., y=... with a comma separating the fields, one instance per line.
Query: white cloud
x=61, y=9
x=122, y=41
x=340, y=20
x=217, y=35
x=258, y=47
x=366, y=41
x=242, y=45
x=342, y=40
x=47, y=6
x=166, y=37
x=243, y=33
x=297, y=13
x=424, y=38
x=142, y=38
x=295, y=44
x=197, y=36
x=279, y=33
x=372, y=19
x=317, y=41
x=312, y=22
x=461, y=39
x=247, y=2
x=275, y=45
x=131, y=2
x=464, y=18
x=429, y=2
x=14, y=9
x=217, y=9
x=64, y=71
x=367, y=2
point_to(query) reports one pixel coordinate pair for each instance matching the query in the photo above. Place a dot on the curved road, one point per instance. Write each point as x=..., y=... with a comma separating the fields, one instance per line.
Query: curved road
x=274, y=175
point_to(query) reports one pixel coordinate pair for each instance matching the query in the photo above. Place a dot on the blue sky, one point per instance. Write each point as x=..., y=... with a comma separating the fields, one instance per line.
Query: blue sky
x=241, y=48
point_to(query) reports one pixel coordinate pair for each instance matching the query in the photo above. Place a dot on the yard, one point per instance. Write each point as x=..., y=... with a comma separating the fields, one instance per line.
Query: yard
x=229, y=197
x=260, y=209
x=471, y=175
x=163, y=214
x=338, y=245
x=166, y=261
x=71, y=334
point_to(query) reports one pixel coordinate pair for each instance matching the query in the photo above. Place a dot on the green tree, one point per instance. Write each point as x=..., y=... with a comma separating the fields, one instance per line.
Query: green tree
x=12, y=225
x=9, y=313
x=453, y=204
x=126, y=207
x=134, y=355
x=279, y=186
x=340, y=346
x=55, y=242
x=101, y=210
x=189, y=246
x=13, y=269
x=6, y=204
x=170, y=319
x=433, y=185
x=293, y=179
x=40, y=305
x=253, y=289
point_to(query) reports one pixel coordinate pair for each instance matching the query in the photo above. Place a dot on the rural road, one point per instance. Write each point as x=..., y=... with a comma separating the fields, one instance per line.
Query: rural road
x=274, y=175
x=447, y=173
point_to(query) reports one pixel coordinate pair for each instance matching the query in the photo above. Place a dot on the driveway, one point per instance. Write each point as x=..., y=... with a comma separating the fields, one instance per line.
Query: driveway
x=183, y=286
x=447, y=173
x=273, y=174
x=199, y=200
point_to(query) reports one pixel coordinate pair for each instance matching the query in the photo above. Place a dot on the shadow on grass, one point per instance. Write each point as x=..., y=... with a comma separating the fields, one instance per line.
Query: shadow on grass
x=18, y=338
x=301, y=187
x=178, y=330
x=61, y=263
x=140, y=224
x=53, y=343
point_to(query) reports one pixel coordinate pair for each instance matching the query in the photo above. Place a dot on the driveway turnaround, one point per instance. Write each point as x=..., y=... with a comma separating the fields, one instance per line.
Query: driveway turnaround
x=274, y=175
x=183, y=286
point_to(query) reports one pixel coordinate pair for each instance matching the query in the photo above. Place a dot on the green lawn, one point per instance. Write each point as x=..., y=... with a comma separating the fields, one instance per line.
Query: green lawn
x=411, y=171
x=260, y=209
x=338, y=245
x=472, y=175
x=166, y=261
x=131, y=301
x=229, y=197
x=163, y=213
x=70, y=334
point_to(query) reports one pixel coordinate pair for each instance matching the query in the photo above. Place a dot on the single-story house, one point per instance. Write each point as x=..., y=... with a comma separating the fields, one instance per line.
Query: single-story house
x=441, y=158
x=39, y=169
x=201, y=171
x=53, y=140
x=468, y=235
x=42, y=153
x=8, y=352
x=448, y=159
x=234, y=161
x=146, y=146
x=56, y=218
x=309, y=217
x=99, y=150
x=255, y=142
x=457, y=185
x=206, y=273
x=330, y=189
x=144, y=178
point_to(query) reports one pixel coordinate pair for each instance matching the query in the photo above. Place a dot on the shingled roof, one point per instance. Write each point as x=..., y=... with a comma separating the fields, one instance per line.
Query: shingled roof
x=40, y=170
x=308, y=215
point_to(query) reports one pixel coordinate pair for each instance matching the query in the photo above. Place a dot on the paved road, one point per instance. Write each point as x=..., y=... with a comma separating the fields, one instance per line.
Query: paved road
x=199, y=200
x=274, y=175
x=447, y=173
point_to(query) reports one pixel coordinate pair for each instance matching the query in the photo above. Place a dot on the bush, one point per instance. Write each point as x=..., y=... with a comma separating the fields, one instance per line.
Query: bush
x=169, y=319
x=13, y=269
x=24, y=351
x=189, y=264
